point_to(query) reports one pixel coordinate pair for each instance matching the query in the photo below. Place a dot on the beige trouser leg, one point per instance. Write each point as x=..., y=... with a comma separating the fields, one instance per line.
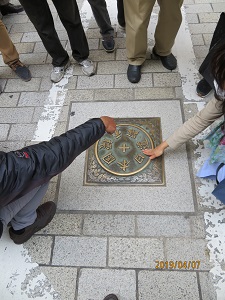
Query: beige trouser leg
x=137, y=16
x=8, y=50
x=169, y=21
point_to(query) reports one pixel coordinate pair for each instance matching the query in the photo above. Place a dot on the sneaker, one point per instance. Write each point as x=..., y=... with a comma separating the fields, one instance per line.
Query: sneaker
x=108, y=43
x=58, y=72
x=21, y=70
x=111, y=297
x=88, y=67
x=45, y=213
x=203, y=88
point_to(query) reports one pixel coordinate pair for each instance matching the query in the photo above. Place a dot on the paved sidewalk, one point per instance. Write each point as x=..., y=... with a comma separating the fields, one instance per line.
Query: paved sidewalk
x=107, y=239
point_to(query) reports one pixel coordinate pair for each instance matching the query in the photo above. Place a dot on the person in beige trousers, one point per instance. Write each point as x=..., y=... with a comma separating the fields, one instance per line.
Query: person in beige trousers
x=137, y=17
x=10, y=55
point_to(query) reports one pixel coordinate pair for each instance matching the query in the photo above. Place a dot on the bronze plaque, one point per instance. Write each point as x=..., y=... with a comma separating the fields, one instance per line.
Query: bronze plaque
x=118, y=158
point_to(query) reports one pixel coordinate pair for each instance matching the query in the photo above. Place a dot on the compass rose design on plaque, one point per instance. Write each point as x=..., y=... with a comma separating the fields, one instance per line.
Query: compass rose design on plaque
x=118, y=158
x=121, y=153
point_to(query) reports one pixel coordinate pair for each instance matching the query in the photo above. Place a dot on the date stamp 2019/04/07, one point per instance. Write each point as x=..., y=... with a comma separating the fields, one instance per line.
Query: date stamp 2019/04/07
x=187, y=264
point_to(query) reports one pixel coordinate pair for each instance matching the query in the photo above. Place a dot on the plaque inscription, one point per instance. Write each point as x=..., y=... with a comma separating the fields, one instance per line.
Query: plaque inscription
x=118, y=158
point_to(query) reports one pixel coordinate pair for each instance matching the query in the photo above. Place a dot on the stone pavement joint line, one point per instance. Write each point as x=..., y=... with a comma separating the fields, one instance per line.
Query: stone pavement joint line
x=139, y=243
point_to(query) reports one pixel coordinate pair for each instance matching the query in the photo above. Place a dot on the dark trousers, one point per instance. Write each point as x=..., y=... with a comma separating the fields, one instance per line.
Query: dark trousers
x=40, y=15
x=120, y=14
x=101, y=15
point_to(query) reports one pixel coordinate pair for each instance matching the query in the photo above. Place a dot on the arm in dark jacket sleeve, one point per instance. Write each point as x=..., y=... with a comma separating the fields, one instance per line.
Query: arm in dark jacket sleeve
x=57, y=154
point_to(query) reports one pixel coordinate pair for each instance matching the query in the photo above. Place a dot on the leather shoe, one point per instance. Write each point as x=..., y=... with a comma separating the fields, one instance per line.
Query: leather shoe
x=45, y=214
x=169, y=61
x=134, y=73
x=111, y=297
x=10, y=9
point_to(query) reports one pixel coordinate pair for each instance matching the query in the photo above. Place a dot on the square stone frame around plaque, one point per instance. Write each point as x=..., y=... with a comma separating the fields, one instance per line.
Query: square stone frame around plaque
x=176, y=196
x=153, y=174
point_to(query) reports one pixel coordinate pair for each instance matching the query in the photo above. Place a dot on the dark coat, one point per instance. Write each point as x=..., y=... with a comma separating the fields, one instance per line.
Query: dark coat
x=23, y=170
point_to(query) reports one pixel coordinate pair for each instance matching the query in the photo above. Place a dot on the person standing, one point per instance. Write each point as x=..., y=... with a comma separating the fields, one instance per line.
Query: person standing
x=40, y=15
x=11, y=56
x=137, y=16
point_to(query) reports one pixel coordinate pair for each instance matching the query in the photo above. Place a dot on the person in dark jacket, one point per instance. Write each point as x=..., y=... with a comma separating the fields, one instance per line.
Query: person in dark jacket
x=25, y=175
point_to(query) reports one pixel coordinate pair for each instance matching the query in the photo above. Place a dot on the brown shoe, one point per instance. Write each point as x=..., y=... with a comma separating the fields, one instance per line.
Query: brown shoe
x=111, y=297
x=45, y=214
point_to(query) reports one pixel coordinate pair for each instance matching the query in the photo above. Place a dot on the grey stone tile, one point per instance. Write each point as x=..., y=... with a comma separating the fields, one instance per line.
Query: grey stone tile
x=41, y=70
x=16, y=37
x=155, y=93
x=101, y=55
x=93, y=33
x=121, y=54
x=16, y=115
x=72, y=83
x=64, y=224
x=80, y=251
x=114, y=67
x=207, y=286
x=30, y=37
x=80, y=95
x=153, y=66
x=39, y=248
x=95, y=82
x=167, y=285
x=119, y=282
x=198, y=8
x=46, y=84
x=156, y=225
x=202, y=28
x=114, y=94
x=17, y=18
x=192, y=18
x=207, y=38
x=201, y=51
x=7, y=72
x=9, y=99
x=39, y=47
x=108, y=225
x=218, y=7
x=33, y=98
x=63, y=280
x=34, y=58
x=197, y=40
x=209, y=17
x=10, y=146
x=4, y=129
x=17, y=85
x=60, y=128
x=188, y=250
x=198, y=227
x=121, y=81
x=22, y=132
x=166, y=80
x=134, y=252
x=26, y=27
x=24, y=48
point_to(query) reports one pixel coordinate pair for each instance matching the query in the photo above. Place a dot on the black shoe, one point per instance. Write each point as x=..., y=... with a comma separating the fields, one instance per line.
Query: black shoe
x=21, y=70
x=11, y=9
x=203, y=88
x=134, y=73
x=45, y=214
x=111, y=297
x=108, y=43
x=1, y=228
x=169, y=61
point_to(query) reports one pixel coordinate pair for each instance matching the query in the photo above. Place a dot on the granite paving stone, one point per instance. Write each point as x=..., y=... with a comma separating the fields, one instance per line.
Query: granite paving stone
x=156, y=225
x=109, y=225
x=121, y=81
x=33, y=98
x=166, y=80
x=207, y=287
x=22, y=132
x=134, y=252
x=10, y=146
x=202, y=28
x=218, y=7
x=154, y=93
x=63, y=280
x=95, y=82
x=9, y=99
x=79, y=251
x=39, y=248
x=114, y=94
x=188, y=249
x=16, y=115
x=4, y=129
x=64, y=224
x=15, y=85
x=174, y=285
x=80, y=95
x=30, y=37
x=114, y=67
x=198, y=8
x=119, y=282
